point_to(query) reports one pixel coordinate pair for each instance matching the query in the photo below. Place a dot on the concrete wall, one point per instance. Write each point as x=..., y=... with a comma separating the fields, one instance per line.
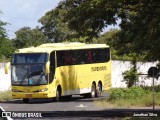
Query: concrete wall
x=118, y=67
x=5, y=79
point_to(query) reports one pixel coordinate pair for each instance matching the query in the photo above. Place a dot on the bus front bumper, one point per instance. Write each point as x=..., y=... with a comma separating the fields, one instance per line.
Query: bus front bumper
x=17, y=95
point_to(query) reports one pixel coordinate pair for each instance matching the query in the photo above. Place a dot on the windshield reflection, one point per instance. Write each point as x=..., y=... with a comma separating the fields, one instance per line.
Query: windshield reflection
x=29, y=75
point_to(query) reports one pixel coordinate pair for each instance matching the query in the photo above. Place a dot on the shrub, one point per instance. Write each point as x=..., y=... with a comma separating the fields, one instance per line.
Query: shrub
x=149, y=89
x=131, y=76
x=117, y=93
x=5, y=95
x=126, y=93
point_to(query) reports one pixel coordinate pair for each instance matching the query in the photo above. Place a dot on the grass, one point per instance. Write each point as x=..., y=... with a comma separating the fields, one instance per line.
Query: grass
x=5, y=95
x=126, y=100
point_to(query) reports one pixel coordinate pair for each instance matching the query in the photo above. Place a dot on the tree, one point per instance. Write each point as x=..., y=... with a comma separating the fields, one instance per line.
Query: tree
x=27, y=37
x=55, y=28
x=131, y=77
x=6, y=48
x=139, y=21
x=89, y=17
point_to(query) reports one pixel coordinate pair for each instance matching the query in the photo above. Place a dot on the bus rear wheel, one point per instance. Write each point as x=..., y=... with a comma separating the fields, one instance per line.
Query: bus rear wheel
x=26, y=100
x=93, y=91
x=99, y=90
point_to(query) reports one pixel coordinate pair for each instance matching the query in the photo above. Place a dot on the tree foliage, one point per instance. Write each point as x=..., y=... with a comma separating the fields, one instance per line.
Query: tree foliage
x=120, y=50
x=27, y=37
x=6, y=48
x=89, y=17
x=139, y=21
x=55, y=28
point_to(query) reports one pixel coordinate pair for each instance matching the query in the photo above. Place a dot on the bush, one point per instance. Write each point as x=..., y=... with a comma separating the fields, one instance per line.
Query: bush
x=117, y=93
x=149, y=89
x=126, y=93
x=131, y=76
x=5, y=95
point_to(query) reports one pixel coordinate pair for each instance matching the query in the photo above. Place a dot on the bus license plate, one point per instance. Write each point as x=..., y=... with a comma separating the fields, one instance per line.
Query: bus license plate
x=28, y=95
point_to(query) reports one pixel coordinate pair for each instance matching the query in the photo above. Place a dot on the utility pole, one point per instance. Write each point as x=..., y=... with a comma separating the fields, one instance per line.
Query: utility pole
x=153, y=72
x=153, y=93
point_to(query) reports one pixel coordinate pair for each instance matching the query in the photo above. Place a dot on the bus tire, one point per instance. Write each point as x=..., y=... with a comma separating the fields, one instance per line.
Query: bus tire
x=26, y=100
x=99, y=90
x=58, y=94
x=93, y=91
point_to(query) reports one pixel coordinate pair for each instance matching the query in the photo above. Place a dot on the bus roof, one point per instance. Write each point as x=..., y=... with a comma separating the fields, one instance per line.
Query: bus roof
x=49, y=47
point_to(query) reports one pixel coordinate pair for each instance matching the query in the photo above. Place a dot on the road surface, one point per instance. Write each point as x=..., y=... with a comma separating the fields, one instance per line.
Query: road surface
x=77, y=108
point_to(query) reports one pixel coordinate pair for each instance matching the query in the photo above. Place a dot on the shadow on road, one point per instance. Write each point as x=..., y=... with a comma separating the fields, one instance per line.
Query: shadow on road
x=116, y=114
x=105, y=113
x=75, y=98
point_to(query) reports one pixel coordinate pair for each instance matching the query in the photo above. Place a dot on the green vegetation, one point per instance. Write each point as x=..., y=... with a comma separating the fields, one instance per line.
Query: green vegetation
x=125, y=93
x=6, y=47
x=130, y=98
x=83, y=21
x=131, y=77
x=27, y=37
x=5, y=95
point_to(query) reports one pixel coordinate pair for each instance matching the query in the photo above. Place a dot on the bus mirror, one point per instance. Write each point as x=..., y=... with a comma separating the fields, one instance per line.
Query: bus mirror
x=7, y=66
x=48, y=67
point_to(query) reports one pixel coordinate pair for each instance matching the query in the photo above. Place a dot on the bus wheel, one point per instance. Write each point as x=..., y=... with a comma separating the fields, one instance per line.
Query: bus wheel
x=98, y=90
x=58, y=94
x=93, y=91
x=26, y=100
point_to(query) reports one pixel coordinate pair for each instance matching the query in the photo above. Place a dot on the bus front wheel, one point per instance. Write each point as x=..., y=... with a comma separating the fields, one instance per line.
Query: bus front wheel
x=58, y=94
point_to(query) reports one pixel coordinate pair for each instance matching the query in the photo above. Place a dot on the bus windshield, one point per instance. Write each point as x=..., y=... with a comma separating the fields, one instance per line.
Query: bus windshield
x=30, y=58
x=29, y=75
x=29, y=69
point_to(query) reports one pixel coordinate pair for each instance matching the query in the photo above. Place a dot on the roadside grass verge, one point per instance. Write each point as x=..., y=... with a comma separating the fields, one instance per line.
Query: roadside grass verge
x=5, y=95
x=134, y=97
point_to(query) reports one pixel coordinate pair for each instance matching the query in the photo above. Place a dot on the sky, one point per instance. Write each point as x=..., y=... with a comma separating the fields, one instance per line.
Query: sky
x=24, y=13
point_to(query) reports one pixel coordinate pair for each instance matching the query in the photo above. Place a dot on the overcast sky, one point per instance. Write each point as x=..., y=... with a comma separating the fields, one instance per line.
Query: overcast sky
x=20, y=13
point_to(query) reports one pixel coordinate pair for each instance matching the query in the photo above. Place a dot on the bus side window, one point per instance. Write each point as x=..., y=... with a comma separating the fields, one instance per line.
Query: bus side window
x=65, y=58
x=82, y=57
x=96, y=56
x=52, y=66
x=89, y=56
x=107, y=51
x=102, y=55
x=60, y=58
x=68, y=58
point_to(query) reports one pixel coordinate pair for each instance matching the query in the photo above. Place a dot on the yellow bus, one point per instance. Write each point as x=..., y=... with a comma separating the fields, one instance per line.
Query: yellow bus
x=54, y=70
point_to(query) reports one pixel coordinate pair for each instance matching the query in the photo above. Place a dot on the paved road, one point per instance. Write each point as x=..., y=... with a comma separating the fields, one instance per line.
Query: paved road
x=77, y=104
x=77, y=108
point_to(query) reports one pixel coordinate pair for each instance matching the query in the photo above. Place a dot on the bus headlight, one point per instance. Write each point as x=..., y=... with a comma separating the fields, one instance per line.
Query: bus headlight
x=14, y=90
x=42, y=90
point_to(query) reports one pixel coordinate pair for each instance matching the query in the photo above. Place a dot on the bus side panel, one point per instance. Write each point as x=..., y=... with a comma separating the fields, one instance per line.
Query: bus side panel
x=78, y=79
x=97, y=72
x=107, y=77
x=67, y=77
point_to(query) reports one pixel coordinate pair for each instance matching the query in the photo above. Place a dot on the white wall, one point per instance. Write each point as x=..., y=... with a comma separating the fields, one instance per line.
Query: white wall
x=118, y=67
x=5, y=79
